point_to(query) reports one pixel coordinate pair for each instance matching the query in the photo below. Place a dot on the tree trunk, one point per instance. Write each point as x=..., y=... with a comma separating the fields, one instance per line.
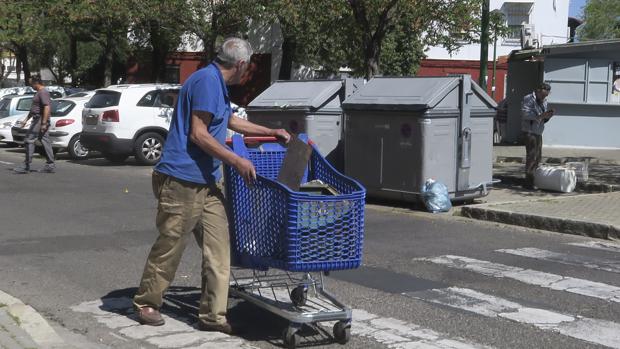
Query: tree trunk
x=156, y=59
x=372, y=52
x=22, y=53
x=288, y=53
x=73, y=58
x=108, y=60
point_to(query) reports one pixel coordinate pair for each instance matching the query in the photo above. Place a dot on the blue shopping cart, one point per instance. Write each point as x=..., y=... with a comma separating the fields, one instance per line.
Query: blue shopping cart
x=298, y=234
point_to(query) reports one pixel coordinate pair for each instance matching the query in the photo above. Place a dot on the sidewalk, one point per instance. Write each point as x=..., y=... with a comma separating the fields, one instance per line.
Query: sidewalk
x=22, y=327
x=580, y=212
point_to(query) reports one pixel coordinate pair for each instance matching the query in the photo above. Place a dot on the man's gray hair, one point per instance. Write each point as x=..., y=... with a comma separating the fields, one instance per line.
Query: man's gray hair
x=234, y=50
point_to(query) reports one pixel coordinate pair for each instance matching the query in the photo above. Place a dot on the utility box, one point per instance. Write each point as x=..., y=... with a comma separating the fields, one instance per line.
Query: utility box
x=399, y=132
x=306, y=106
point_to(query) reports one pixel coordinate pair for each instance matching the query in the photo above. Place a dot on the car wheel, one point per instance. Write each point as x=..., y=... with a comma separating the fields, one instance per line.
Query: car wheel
x=76, y=150
x=148, y=148
x=116, y=158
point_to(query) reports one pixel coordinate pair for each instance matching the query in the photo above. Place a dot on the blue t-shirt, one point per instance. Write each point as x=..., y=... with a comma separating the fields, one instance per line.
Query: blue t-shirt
x=205, y=90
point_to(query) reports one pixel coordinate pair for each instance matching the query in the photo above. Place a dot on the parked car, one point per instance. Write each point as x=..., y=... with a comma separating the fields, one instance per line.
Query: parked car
x=12, y=108
x=125, y=120
x=65, y=126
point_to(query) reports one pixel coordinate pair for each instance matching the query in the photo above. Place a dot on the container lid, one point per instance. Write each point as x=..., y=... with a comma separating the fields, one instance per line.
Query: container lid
x=407, y=93
x=298, y=94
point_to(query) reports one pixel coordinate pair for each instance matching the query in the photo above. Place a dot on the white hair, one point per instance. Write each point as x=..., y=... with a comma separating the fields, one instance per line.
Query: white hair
x=234, y=50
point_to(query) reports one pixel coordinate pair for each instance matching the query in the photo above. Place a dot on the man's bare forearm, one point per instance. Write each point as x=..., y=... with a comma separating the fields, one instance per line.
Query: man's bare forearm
x=211, y=146
x=248, y=128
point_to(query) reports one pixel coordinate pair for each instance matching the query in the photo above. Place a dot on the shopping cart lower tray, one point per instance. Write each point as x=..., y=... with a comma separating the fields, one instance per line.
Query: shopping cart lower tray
x=294, y=232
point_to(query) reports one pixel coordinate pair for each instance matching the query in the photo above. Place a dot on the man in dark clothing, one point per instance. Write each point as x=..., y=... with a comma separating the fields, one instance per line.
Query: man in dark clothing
x=40, y=113
x=535, y=113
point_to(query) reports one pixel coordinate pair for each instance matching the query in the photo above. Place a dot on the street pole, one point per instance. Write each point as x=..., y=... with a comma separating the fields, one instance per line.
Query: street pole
x=494, y=61
x=484, y=44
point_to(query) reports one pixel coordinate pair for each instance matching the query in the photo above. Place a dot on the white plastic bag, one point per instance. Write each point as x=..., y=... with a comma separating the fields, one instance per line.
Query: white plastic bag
x=555, y=178
x=435, y=196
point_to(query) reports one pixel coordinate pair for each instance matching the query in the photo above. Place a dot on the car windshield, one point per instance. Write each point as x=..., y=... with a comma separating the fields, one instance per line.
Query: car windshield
x=104, y=99
x=61, y=107
x=4, y=107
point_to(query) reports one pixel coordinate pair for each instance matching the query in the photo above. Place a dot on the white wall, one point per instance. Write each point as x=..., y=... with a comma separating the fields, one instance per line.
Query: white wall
x=549, y=17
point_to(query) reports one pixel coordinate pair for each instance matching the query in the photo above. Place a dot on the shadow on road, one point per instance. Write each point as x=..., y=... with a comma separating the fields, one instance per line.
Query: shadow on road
x=181, y=303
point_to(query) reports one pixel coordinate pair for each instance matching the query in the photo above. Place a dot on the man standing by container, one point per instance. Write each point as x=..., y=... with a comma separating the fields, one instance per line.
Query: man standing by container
x=187, y=184
x=534, y=114
x=40, y=113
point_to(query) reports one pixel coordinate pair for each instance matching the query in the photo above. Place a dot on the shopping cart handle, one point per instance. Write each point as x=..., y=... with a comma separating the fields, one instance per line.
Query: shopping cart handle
x=260, y=139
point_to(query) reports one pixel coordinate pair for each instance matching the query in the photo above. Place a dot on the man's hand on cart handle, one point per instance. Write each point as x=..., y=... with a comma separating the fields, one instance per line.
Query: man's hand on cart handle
x=246, y=170
x=281, y=135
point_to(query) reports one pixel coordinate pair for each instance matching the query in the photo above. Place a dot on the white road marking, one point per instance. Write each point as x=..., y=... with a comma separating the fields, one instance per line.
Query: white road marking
x=564, y=258
x=6, y=163
x=397, y=334
x=590, y=330
x=116, y=314
x=599, y=245
x=531, y=277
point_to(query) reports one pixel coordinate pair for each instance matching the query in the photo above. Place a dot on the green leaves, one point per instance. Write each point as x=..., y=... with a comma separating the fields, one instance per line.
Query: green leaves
x=601, y=20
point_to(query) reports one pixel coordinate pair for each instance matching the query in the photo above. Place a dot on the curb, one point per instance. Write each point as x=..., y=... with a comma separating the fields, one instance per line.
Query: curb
x=559, y=225
x=588, y=187
x=555, y=160
x=32, y=323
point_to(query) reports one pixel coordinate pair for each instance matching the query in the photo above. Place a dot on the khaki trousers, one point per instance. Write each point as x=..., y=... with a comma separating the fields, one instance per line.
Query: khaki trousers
x=183, y=208
x=533, y=154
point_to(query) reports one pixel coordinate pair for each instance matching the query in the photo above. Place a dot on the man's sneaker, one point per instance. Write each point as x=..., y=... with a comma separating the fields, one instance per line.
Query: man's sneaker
x=150, y=316
x=22, y=169
x=48, y=169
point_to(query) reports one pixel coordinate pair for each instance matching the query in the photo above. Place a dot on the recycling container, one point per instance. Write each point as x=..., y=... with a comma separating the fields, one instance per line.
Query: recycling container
x=399, y=132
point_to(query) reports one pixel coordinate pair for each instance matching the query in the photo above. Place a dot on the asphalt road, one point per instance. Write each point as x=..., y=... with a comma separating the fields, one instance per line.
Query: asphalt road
x=73, y=245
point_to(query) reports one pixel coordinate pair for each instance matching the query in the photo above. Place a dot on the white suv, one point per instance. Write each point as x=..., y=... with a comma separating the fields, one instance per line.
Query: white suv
x=124, y=120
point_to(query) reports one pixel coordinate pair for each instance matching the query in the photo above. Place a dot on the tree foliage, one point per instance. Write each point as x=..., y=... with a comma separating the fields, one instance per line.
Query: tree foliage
x=601, y=20
x=92, y=40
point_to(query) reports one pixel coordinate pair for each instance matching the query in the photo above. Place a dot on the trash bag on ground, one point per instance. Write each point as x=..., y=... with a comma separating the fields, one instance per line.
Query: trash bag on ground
x=435, y=196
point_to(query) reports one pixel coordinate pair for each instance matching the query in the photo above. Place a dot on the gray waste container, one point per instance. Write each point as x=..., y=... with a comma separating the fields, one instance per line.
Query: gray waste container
x=399, y=132
x=306, y=106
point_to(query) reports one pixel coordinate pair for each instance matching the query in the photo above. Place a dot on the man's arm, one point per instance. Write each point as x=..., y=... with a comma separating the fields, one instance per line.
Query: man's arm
x=528, y=109
x=248, y=128
x=200, y=136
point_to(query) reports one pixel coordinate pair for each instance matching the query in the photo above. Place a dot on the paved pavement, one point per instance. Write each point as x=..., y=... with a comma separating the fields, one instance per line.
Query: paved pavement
x=580, y=212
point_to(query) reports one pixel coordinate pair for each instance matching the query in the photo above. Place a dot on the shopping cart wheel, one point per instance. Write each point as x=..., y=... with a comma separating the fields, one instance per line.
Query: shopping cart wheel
x=290, y=337
x=342, y=332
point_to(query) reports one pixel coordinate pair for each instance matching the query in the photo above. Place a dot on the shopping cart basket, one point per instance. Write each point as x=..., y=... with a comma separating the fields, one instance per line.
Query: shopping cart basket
x=275, y=227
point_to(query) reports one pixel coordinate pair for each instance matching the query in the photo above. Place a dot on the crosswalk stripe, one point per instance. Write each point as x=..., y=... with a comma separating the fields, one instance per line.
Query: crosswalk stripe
x=174, y=334
x=599, y=245
x=531, y=277
x=591, y=330
x=394, y=333
x=397, y=334
x=564, y=258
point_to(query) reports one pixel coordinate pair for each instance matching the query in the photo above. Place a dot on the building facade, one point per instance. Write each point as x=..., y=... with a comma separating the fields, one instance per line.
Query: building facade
x=545, y=22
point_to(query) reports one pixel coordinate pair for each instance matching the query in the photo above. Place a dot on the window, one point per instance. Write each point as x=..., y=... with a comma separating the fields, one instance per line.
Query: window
x=104, y=99
x=24, y=104
x=159, y=99
x=61, y=108
x=148, y=100
x=517, y=14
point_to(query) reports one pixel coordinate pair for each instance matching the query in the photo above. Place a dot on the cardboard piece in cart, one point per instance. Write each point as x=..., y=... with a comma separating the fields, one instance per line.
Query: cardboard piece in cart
x=295, y=162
